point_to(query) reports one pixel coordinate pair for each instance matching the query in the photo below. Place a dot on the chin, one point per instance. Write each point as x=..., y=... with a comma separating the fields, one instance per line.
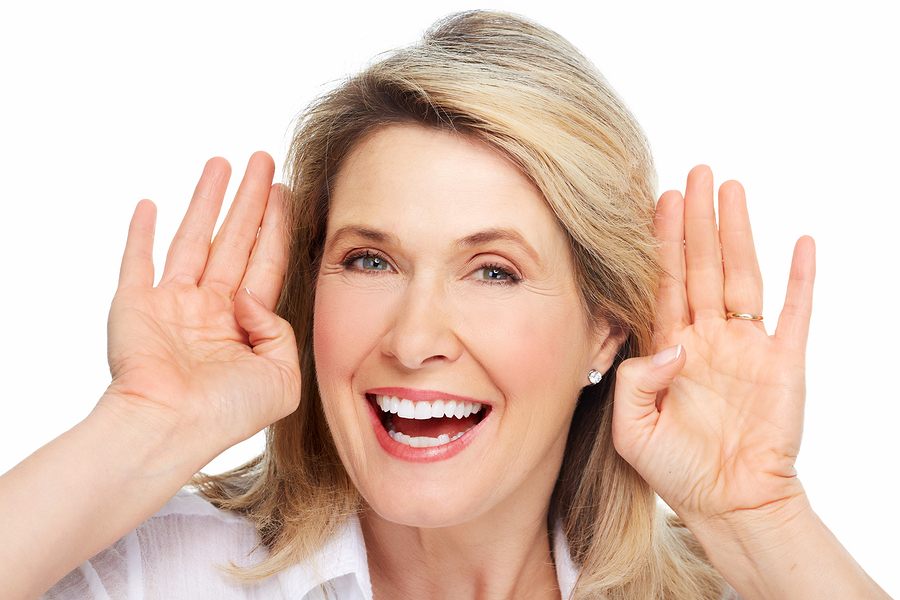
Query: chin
x=427, y=506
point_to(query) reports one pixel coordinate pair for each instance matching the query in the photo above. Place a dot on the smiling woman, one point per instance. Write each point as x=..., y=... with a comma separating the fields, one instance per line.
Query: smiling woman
x=480, y=367
x=412, y=162
x=431, y=330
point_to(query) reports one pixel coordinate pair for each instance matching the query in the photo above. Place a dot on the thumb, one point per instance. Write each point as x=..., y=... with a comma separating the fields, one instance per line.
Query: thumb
x=269, y=335
x=638, y=382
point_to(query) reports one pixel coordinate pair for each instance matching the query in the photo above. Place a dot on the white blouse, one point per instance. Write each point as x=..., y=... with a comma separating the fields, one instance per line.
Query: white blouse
x=178, y=553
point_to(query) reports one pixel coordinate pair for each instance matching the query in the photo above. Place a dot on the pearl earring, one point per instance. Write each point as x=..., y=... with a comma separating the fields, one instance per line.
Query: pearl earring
x=595, y=376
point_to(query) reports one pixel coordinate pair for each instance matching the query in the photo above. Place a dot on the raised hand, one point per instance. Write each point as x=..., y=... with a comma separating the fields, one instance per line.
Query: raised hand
x=713, y=421
x=198, y=364
x=201, y=354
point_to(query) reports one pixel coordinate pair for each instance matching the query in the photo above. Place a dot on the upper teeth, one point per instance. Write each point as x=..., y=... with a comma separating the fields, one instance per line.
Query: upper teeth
x=407, y=409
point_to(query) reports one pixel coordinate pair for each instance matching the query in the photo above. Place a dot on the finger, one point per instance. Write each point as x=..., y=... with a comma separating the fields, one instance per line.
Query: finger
x=237, y=236
x=272, y=338
x=668, y=229
x=137, y=261
x=743, y=280
x=635, y=411
x=189, y=250
x=268, y=334
x=703, y=258
x=793, y=322
x=268, y=261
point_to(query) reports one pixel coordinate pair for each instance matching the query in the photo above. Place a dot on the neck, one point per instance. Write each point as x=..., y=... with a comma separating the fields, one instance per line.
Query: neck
x=486, y=558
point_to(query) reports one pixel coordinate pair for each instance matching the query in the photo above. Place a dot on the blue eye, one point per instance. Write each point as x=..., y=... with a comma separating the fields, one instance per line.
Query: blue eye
x=367, y=262
x=372, y=263
x=495, y=274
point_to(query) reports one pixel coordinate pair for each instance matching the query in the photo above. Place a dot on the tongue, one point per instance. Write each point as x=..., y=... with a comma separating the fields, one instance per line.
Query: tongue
x=433, y=427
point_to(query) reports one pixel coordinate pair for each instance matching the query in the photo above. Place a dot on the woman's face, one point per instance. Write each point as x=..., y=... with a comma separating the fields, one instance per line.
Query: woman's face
x=446, y=284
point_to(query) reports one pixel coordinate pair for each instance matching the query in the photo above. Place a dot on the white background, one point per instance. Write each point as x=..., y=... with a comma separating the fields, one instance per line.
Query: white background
x=104, y=104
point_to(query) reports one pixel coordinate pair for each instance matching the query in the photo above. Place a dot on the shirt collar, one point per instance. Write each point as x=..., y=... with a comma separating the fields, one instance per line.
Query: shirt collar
x=342, y=566
x=566, y=571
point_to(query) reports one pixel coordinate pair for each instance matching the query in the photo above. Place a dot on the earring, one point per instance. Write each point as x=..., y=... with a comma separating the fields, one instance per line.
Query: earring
x=595, y=376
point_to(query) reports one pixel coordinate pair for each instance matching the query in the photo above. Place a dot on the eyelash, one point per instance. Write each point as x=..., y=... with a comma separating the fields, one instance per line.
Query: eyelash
x=347, y=263
x=511, y=278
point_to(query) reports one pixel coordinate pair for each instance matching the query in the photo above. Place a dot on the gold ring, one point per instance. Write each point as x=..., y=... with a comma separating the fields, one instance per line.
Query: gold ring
x=744, y=316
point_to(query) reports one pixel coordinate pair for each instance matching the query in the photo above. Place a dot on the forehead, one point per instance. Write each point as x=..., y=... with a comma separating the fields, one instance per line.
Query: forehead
x=412, y=180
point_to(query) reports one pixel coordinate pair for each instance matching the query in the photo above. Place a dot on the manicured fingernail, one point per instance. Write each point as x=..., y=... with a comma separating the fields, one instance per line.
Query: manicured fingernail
x=255, y=297
x=669, y=355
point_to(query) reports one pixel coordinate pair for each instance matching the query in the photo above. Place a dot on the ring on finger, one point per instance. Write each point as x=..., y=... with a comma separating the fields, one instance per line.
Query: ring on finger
x=743, y=316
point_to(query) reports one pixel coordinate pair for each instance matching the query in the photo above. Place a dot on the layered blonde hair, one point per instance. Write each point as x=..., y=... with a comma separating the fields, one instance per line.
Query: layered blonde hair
x=526, y=91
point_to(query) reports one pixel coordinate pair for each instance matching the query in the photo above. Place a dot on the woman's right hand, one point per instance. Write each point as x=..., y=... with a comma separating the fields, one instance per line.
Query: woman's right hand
x=198, y=364
x=200, y=355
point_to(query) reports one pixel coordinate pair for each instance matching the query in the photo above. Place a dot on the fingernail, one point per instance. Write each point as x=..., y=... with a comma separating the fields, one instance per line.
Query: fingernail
x=667, y=356
x=255, y=297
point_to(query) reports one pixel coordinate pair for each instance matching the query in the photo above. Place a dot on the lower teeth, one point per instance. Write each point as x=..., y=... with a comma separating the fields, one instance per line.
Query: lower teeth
x=424, y=442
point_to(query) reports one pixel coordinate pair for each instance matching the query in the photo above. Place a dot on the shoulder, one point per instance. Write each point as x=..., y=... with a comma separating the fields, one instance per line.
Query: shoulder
x=189, y=527
x=188, y=513
x=188, y=545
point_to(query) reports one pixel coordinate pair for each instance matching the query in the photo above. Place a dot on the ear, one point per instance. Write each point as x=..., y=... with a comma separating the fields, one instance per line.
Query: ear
x=609, y=339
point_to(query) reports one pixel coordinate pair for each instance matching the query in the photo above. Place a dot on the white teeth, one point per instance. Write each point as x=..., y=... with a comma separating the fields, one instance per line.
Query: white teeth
x=449, y=408
x=423, y=410
x=460, y=410
x=408, y=409
x=437, y=408
x=424, y=442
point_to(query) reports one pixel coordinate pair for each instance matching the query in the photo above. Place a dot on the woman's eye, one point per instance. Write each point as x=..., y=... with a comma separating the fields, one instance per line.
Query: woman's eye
x=493, y=273
x=368, y=262
x=372, y=263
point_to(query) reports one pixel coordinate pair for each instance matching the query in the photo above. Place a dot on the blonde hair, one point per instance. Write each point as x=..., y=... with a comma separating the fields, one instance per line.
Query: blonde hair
x=526, y=91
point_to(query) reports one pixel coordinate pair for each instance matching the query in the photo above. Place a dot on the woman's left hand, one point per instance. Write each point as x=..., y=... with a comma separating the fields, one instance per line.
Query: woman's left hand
x=713, y=420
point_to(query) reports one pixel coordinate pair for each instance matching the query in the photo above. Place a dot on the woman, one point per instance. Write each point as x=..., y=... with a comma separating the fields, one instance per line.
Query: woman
x=469, y=237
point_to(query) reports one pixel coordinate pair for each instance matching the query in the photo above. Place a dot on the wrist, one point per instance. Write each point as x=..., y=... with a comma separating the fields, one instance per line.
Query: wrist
x=753, y=529
x=782, y=551
x=147, y=439
x=140, y=443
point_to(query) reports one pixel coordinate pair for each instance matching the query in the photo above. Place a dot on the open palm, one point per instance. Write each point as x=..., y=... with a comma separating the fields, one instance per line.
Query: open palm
x=722, y=437
x=200, y=354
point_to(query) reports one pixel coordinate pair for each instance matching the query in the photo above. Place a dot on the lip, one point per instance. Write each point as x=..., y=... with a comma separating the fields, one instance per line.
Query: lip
x=420, y=455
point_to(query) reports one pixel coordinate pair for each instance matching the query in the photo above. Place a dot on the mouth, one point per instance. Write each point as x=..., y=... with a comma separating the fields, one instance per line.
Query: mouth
x=427, y=424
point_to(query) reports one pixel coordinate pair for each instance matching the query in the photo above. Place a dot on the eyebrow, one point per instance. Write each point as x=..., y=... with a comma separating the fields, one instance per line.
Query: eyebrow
x=498, y=235
x=372, y=235
x=469, y=241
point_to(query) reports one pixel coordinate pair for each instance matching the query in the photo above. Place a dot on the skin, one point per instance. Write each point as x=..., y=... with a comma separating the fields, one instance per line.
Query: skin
x=429, y=319
x=713, y=428
x=195, y=352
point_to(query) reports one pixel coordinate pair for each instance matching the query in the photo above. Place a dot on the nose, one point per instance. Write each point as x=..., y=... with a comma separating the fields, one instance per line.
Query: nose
x=422, y=332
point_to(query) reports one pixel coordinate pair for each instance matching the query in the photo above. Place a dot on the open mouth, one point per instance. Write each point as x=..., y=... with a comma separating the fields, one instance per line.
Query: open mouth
x=427, y=424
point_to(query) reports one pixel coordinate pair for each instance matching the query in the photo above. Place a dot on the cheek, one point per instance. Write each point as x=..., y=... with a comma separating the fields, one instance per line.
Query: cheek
x=533, y=343
x=345, y=330
x=346, y=327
